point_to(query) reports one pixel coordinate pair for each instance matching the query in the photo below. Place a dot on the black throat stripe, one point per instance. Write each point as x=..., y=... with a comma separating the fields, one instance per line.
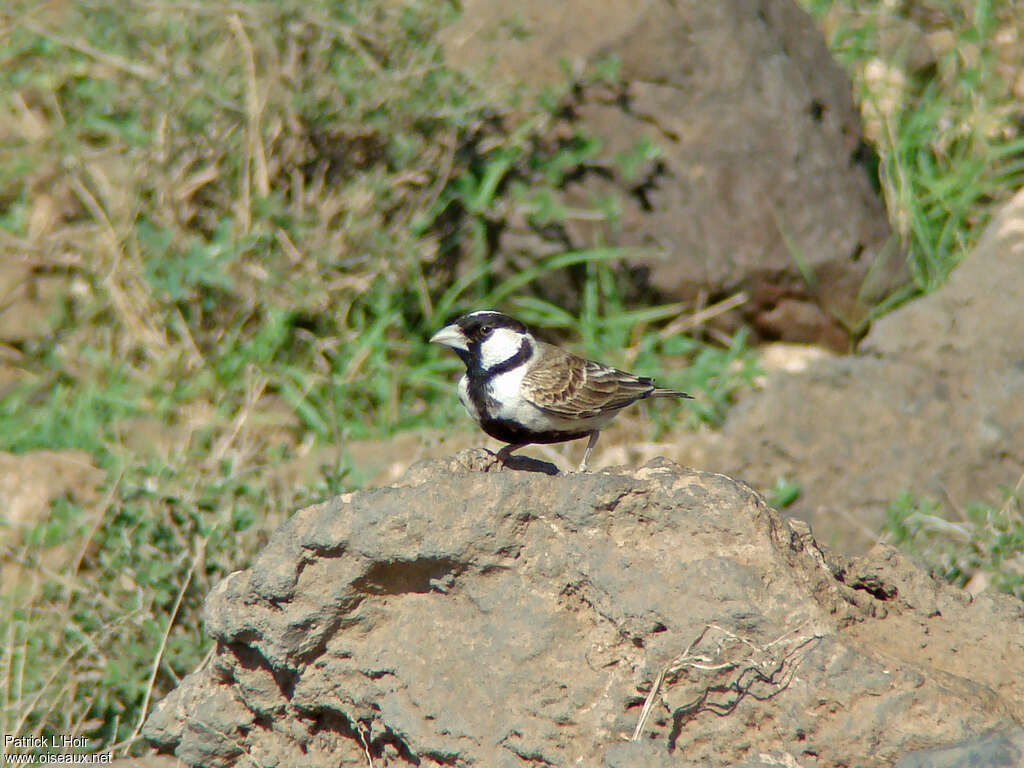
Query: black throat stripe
x=520, y=357
x=479, y=378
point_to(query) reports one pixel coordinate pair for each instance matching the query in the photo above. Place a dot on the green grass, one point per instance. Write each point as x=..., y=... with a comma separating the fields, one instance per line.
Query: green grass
x=261, y=212
x=104, y=613
x=784, y=493
x=981, y=542
x=947, y=130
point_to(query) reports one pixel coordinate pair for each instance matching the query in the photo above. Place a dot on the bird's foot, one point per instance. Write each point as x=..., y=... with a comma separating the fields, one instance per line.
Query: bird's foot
x=505, y=453
x=586, y=454
x=507, y=460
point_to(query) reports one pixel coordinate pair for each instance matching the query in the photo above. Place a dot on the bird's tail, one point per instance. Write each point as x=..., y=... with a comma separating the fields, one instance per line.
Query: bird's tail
x=666, y=392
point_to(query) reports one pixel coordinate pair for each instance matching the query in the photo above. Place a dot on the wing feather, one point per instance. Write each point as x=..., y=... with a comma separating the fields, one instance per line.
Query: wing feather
x=570, y=386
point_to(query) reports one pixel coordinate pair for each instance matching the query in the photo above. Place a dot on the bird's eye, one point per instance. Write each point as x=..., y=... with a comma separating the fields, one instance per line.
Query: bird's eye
x=485, y=330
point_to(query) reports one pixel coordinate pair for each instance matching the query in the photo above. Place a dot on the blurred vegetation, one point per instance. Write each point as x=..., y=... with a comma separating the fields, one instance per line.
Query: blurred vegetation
x=784, y=493
x=940, y=85
x=254, y=215
x=981, y=546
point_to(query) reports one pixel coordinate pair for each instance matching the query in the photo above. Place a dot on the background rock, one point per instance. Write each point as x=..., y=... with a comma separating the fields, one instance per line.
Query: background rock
x=149, y=761
x=933, y=404
x=473, y=616
x=1002, y=750
x=760, y=184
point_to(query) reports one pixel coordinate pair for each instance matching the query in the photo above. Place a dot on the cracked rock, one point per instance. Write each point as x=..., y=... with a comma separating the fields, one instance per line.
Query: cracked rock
x=762, y=183
x=506, y=618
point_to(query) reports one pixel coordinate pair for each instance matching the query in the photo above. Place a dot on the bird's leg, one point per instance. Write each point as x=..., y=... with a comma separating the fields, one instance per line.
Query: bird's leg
x=504, y=453
x=590, y=446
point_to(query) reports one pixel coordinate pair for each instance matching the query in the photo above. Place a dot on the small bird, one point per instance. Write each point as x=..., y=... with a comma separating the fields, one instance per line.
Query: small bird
x=522, y=391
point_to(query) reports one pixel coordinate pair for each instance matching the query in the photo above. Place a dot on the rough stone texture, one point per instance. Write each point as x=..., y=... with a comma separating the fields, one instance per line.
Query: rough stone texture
x=934, y=404
x=759, y=186
x=999, y=750
x=149, y=761
x=477, y=616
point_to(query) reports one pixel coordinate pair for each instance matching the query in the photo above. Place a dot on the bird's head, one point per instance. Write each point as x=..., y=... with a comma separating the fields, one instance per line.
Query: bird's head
x=484, y=339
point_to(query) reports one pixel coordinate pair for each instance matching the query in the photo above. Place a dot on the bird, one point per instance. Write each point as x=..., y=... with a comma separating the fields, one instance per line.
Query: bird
x=522, y=391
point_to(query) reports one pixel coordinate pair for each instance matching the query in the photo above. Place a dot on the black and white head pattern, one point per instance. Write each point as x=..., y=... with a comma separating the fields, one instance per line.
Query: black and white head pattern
x=493, y=342
x=521, y=390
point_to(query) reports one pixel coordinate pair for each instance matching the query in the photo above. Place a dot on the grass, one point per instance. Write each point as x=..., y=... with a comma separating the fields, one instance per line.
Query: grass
x=104, y=613
x=935, y=87
x=256, y=214
x=935, y=83
x=982, y=545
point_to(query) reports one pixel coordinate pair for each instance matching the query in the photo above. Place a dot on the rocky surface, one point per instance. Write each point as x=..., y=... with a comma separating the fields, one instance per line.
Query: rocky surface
x=758, y=185
x=997, y=750
x=473, y=615
x=149, y=761
x=933, y=404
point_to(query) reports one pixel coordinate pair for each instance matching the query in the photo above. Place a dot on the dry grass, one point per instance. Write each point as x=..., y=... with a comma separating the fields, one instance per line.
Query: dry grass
x=246, y=218
x=719, y=669
x=249, y=216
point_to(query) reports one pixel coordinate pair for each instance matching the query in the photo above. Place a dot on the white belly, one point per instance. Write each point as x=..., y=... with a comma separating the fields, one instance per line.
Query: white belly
x=510, y=405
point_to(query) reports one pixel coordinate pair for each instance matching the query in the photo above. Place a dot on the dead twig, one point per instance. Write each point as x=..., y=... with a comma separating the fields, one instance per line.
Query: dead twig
x=699, y=318
x=111, y=60
x=364, y=741
x=254, y=167
x=197, y=558
x=774, y=669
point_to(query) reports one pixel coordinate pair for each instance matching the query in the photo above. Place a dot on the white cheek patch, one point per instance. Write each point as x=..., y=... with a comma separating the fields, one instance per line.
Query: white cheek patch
x=502, y=344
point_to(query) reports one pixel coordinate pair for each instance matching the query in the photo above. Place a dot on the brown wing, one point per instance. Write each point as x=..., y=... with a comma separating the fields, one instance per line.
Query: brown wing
x=567, y=385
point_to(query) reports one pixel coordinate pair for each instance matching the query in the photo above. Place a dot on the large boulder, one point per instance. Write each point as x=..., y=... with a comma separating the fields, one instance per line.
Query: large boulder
x=478, y=615
x=760, y=183
x=933, y=404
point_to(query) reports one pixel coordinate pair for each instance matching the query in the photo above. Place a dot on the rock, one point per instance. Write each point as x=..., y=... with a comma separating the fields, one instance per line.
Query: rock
x=149, y=761
x=989, y=751
x=759, y=184
x=474, y=615
x=933, y=404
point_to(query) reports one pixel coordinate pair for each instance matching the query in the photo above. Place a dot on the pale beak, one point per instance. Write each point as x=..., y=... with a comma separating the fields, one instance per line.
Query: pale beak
x=451, y=336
